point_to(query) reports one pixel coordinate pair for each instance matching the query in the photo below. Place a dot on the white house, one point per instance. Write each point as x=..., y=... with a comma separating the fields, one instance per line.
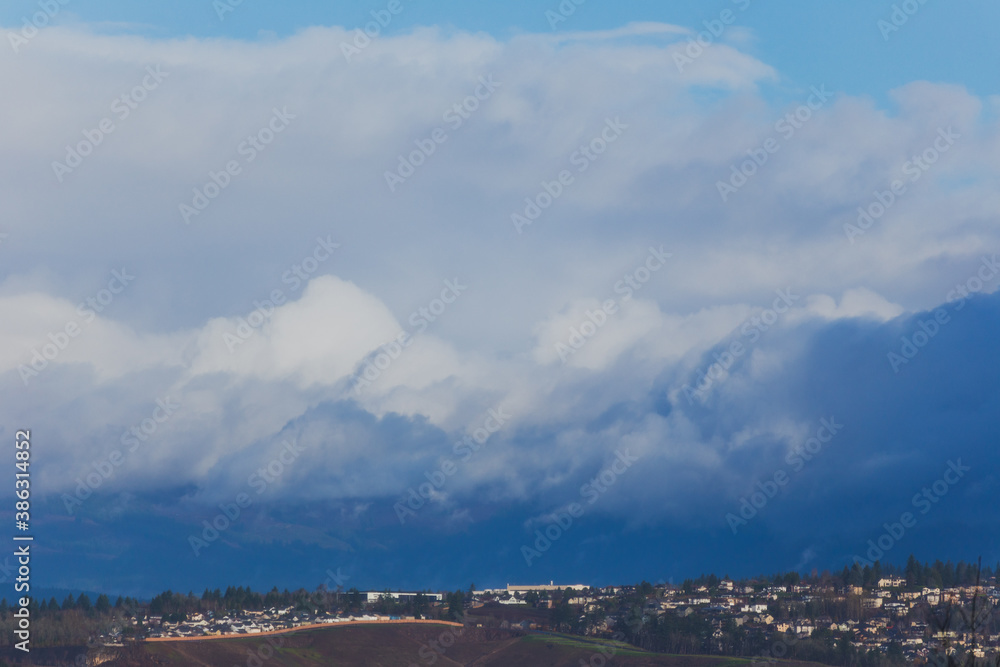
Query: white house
x=891, y=582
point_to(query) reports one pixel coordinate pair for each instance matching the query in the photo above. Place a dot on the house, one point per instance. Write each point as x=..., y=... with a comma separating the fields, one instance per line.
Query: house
x=891, y=582
x=804, y=628
x=897, y=608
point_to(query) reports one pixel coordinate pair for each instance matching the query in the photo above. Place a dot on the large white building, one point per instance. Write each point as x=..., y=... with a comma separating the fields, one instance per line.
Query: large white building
x=551, y=586
x=545, y=587
x=373, y=596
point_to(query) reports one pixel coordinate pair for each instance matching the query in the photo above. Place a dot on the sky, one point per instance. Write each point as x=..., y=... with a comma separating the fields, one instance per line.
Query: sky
x=498, y=294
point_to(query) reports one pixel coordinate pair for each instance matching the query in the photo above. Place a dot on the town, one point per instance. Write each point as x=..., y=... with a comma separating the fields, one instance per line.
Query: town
x=869, y=615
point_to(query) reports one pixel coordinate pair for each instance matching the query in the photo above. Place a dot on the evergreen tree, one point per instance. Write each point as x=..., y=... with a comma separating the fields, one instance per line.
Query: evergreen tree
x=913, y=572
x=856, y=577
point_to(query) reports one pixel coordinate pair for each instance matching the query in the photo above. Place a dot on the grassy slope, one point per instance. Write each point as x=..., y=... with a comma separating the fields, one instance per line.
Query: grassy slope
x=399, y=646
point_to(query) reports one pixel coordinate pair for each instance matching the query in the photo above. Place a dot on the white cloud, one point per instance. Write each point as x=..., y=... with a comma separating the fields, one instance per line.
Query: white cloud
x=496, y=345
x=859, y=302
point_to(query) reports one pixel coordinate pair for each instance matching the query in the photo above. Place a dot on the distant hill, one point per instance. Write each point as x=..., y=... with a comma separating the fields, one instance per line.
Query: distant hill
x=405, y=645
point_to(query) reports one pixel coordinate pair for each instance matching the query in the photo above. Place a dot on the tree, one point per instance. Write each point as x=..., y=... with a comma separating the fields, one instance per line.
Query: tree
x=83, y=602
x=876, y=573
x=103, y=604
x=856, y=577
x=914, y=573
x=420, y=605
x=354, y=599
x=456, y=605
x=386, y=604
x=561, y=616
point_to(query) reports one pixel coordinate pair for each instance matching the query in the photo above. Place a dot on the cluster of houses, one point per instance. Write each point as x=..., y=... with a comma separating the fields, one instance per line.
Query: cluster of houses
x=885, y=614
x=889, y=613
x=249, y=622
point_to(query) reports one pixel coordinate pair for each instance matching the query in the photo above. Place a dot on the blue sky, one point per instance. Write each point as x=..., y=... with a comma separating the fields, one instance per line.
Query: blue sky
x=265, y=281
x=835, y=42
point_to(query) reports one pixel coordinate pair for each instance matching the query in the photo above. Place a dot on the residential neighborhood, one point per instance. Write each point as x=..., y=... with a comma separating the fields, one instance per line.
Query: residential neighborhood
x=884, y=618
